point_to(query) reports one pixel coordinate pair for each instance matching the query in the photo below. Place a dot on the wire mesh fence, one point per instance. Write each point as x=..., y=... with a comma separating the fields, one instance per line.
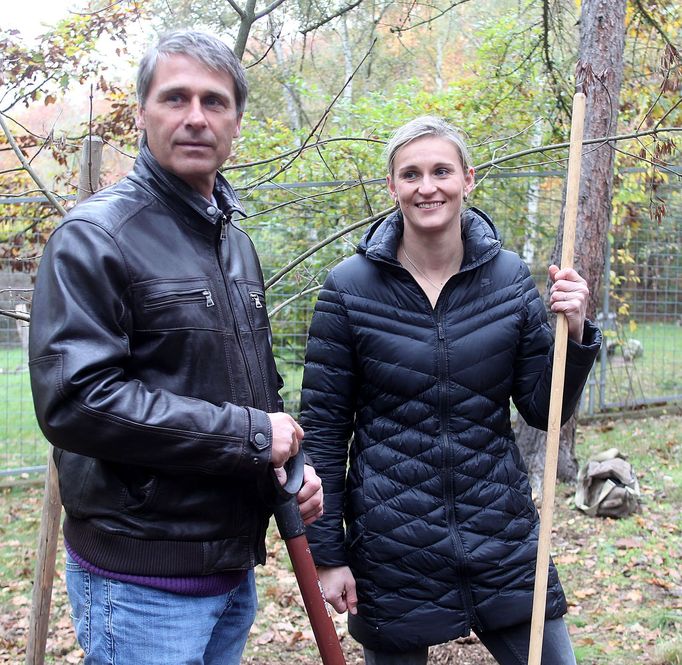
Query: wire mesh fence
x=640, y=364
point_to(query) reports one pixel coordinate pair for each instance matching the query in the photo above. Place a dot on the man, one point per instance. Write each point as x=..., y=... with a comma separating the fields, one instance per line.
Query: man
x=153, y=376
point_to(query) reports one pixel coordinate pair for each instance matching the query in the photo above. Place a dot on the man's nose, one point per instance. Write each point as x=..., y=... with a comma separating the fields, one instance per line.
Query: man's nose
x=195, y=114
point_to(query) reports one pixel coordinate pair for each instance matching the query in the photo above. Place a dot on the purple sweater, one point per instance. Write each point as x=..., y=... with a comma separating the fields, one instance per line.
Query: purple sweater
x=205, y=585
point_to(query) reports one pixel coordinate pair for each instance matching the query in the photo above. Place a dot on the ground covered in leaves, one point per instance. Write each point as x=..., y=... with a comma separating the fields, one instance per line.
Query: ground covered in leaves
x=622, y=578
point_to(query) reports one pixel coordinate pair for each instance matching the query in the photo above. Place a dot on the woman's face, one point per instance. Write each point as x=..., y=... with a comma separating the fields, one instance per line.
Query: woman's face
x=429, y=183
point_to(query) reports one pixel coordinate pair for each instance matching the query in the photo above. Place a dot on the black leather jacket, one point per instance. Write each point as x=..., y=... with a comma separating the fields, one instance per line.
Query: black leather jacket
x=152, y=373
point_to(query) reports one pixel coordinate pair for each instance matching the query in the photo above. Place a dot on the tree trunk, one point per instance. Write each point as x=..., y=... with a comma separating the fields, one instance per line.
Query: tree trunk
x=600, y=70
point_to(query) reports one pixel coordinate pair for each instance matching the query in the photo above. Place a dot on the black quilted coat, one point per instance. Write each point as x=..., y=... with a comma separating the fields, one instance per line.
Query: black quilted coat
x=441, y=530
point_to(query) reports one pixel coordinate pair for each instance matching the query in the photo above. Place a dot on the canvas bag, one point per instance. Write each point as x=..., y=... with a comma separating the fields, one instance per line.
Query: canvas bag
x=607, y=486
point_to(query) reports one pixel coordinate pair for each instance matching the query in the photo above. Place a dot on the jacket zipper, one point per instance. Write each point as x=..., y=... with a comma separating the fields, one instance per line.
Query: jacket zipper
x=179, y=298
x=222, y=243
x=449, y=476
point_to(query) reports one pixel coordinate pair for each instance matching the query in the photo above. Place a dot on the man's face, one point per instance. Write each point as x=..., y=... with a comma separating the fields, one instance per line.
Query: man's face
x=190, y=117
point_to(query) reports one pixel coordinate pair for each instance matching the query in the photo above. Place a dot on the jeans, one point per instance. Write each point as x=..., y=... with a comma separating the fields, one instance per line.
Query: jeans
x=508, y=647
x=118, y=623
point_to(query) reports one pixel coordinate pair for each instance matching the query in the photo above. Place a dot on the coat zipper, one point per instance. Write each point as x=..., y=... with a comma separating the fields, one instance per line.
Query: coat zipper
x=450, y=491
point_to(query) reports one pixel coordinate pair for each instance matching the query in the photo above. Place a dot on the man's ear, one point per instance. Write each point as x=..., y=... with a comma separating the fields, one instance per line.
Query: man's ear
x=238, y=126
x=139, y=118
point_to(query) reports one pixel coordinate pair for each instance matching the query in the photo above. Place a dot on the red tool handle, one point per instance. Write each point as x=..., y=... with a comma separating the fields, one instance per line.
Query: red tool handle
x=292, y=529
x=313, y=598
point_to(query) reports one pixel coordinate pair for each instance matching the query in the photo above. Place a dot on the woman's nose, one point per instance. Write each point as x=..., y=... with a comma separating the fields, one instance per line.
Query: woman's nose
x=427, y=185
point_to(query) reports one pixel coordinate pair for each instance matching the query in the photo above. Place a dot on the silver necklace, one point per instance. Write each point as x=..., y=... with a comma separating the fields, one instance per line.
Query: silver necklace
x=438, y=287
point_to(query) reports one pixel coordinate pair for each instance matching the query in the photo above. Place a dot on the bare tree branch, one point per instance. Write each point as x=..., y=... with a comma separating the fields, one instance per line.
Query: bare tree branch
x=323, y=117
x=269, y=10
x=309, y=146
x=19, y=316
x=653, y=23
x=323, y=243
x=442, y=12
x=29, y=169
x=237, y=8
x=330, y=17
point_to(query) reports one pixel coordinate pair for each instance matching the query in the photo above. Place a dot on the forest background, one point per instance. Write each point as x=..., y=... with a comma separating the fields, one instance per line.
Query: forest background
x=329, y=81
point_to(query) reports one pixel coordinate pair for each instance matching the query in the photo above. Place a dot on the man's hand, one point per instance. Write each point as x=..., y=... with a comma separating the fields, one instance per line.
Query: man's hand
x=286, y=438
x=569, y=295
x=339, y=588
x=310, y=497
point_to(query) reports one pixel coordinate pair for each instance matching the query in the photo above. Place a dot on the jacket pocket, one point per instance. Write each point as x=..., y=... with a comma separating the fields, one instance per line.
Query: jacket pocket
x=177, y=304
x=176, y=297
x=253, y=300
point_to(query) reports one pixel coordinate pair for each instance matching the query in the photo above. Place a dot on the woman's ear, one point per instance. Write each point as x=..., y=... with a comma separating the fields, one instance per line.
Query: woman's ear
x=391, y=188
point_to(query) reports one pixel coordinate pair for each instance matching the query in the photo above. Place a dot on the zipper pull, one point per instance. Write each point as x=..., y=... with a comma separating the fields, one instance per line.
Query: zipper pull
x=224, y=221
x=441, y=332
x=256, y=300
x=209, y=298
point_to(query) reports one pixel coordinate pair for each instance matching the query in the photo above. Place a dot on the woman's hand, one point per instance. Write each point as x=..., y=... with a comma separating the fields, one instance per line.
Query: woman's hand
x=338, y=584
x=569, y=295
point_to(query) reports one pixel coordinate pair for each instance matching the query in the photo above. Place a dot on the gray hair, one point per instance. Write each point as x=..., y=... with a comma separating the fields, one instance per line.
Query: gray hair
x=426, y=125
x=210, y=51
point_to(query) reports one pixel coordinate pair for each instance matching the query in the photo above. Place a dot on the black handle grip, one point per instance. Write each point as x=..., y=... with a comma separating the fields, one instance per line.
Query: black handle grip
x=294, y=470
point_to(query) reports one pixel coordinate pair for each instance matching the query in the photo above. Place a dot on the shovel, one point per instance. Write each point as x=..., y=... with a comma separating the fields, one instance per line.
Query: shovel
x=292, y=530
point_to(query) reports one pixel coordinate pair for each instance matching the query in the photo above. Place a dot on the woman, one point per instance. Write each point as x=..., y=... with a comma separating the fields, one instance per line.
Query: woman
x=417, y=344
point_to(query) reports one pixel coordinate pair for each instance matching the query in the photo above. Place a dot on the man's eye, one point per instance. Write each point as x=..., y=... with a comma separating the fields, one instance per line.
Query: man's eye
x=214, y=102
x=174, y=99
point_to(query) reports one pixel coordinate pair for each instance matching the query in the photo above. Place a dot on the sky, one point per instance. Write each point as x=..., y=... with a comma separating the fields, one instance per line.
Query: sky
x=31, y=17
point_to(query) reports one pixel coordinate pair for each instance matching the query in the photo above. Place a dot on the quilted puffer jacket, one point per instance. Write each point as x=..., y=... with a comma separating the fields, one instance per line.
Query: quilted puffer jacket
x=152, y=374
x=441, y=530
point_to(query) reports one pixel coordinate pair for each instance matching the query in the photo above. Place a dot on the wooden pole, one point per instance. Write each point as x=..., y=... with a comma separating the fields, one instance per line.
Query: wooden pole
x=50, y=519
x=90, y=164
x=48, y=538
x=557, y=389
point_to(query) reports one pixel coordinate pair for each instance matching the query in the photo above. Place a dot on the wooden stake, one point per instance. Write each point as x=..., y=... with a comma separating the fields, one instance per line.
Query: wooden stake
x=557, y=389
x=50, y=518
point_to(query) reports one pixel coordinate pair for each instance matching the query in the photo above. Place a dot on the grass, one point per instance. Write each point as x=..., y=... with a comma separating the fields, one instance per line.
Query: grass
x=21, y=442
x=622, y=577
x=657, y=373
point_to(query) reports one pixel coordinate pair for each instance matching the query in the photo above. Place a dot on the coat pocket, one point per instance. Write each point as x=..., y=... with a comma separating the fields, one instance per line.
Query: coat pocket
x=253, y=301
x=177, y=304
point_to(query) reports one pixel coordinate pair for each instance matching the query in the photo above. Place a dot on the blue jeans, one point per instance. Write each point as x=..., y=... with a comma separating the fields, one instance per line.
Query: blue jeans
x=127, y=624
x=508, y=647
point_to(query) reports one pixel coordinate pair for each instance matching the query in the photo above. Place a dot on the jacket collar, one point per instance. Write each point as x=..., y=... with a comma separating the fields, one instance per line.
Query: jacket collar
x=175, y=191
x=480, y=237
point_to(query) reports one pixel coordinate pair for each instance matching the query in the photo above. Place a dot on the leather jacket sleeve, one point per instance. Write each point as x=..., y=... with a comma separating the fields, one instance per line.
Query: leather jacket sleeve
x=85, y=376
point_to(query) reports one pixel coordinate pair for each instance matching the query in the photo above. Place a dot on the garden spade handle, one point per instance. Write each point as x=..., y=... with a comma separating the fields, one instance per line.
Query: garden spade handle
x=292, y=530
x=557, y=389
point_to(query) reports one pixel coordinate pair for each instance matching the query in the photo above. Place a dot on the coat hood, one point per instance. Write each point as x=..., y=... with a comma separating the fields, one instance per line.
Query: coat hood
x=479, y=235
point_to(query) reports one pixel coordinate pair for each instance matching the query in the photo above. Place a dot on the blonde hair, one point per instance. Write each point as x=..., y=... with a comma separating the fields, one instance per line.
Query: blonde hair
x=426, y=125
